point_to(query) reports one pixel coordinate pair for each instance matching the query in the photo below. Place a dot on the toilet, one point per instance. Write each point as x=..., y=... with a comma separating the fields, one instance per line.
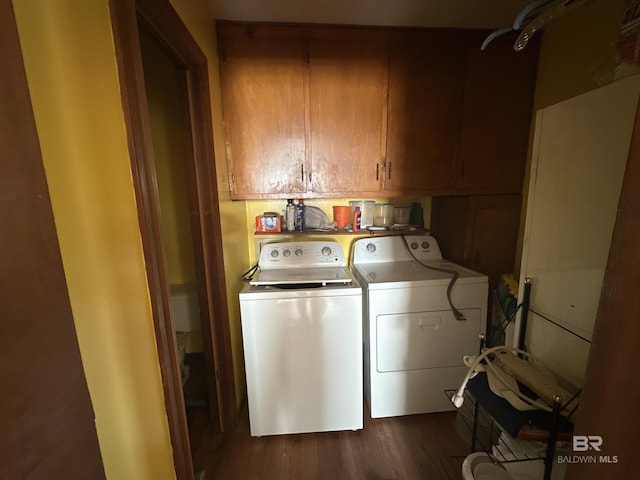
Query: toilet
x=184, y=307
x=479, y=466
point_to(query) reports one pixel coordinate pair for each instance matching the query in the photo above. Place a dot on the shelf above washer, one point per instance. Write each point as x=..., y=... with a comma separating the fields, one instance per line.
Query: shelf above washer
x=414, y=231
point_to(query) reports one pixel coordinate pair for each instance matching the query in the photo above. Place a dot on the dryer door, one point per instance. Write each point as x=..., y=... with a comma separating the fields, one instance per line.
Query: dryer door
x=428, y=339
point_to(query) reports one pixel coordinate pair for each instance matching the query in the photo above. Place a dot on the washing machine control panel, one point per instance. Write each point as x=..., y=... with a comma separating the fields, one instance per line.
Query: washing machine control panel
x=302, y=255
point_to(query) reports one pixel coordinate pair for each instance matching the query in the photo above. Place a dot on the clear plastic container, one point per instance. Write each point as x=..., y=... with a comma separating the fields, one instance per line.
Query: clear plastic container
x=366, y=209
x=401, y=215
x=382, y=215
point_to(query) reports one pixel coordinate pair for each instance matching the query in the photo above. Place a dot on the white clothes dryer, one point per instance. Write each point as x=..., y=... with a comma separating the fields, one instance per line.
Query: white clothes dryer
x=417, y=323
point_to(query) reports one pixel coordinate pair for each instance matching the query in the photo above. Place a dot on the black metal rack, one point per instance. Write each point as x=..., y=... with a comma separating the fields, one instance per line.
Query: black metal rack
x=486, y=432
x=485, y=426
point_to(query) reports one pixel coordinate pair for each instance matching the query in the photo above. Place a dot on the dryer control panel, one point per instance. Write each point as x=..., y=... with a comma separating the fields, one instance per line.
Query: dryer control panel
x=397, y=248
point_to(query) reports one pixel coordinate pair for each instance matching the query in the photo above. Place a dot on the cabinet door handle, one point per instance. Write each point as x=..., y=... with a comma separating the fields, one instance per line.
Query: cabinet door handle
x=302, y=172
x=377, y=171
x=390, y=163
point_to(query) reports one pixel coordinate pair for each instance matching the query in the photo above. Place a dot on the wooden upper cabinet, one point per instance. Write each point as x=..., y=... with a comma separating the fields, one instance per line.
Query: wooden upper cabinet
x=426, y=83
x=496, y=116
x=263, y=82
x=319, y=111
x=347, y=100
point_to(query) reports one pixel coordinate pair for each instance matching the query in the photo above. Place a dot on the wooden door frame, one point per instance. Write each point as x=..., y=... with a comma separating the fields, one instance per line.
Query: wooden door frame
x=161, y=20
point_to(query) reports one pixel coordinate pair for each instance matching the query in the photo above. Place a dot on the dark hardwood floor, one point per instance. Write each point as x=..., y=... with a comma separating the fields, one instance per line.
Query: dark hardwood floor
x=410, y=447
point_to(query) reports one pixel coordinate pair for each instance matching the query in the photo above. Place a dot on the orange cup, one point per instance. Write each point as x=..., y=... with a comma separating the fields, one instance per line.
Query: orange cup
x=341, y=216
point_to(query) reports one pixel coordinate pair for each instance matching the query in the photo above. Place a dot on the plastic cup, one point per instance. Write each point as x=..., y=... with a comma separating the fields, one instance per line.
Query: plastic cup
x=341, y=215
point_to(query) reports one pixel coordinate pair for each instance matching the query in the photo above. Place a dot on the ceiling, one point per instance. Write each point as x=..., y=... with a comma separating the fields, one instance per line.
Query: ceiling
x=423, y=13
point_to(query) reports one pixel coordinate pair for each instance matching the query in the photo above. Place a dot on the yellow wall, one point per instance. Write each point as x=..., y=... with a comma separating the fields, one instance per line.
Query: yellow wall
x=578, y=52
x=71, y=69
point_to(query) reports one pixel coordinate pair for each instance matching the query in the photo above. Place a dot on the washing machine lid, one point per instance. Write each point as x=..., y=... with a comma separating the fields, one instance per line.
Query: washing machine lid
x=414, y=274
x=296, y=277
x=314, y=285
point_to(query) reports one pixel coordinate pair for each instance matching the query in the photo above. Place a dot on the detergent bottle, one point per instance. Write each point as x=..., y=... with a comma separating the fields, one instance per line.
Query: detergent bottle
x=357, y=218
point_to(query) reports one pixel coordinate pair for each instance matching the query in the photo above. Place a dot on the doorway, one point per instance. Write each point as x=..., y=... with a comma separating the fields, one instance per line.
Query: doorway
x=158, y=24
x=167, y=100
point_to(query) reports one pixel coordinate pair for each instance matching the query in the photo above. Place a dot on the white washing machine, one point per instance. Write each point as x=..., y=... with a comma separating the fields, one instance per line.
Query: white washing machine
x=417, y=323
x=302, y=333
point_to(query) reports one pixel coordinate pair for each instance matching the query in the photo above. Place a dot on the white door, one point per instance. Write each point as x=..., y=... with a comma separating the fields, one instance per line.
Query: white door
x=579, y=157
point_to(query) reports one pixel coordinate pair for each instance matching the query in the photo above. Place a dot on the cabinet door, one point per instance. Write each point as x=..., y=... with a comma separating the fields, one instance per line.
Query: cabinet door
x=263, y=98
x=347, y=97
x=492, y=234
x=496, y=117
x=426, y=83
x=480, y=231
